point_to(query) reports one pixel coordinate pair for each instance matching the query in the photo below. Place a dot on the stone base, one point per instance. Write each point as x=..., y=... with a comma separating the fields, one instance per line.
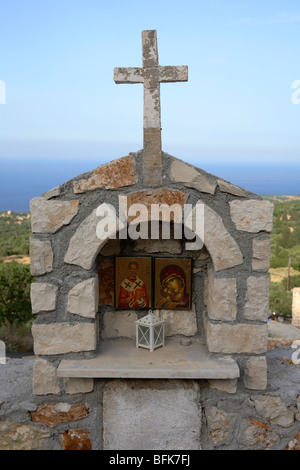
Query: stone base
x=151, y=415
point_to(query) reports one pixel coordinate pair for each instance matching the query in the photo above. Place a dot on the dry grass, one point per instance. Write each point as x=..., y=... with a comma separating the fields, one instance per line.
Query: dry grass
x=22, y=259
x=278, y=274
x=17, y=338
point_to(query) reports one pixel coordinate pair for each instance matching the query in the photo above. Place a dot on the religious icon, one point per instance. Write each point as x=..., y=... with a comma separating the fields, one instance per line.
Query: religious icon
x=173, y=283
x=133, y=282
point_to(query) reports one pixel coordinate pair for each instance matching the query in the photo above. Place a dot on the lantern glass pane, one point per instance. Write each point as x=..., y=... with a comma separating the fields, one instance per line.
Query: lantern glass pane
x=143, y=335
x=158, y=334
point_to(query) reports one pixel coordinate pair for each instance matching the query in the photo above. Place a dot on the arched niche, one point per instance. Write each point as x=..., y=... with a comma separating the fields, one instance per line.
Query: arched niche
x=85, y=244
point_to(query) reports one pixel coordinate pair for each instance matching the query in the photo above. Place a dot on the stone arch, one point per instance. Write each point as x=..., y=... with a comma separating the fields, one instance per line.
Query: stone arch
x=222, y=247
x=85, y=245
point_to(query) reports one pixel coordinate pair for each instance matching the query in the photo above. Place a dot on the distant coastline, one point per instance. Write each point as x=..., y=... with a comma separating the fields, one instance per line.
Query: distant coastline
x=21, y=181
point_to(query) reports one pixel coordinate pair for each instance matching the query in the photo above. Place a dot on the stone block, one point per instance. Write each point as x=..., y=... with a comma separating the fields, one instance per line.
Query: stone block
x=261, y=254
x=220, y=298
x=50, y=216
x=252, y=215
x=73, y=385
x=226, y=386
x=85, y=244
x=168, y=197
x=294, y=443
x=20, y=436
x=257, y=298
x=199, y=256
x=116, y=174
x=119, y=323
x=41, y=257
x=111, y=248
x=151, y=415
x=54, y=192
x=62, y=338
x=159, y=246
x=255, y=373
x=222, y=247
x=45, y=380
x=274, y=409
x=218, y=422
x=236, y=338
x=259, y=435
x=181, y=172
x=75, y=439
x=53, y=414
x=152, y=157
x=83, y=298
x=179, y=322
x=226, y=187
x=43, y=297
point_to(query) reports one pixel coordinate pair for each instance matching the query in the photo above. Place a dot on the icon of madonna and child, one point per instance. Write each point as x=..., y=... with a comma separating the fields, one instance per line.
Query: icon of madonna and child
x=172, y=283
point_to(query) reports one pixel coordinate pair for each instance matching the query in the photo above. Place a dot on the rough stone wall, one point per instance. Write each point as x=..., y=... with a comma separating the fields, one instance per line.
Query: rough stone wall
x=200, y=414
x=229, y=314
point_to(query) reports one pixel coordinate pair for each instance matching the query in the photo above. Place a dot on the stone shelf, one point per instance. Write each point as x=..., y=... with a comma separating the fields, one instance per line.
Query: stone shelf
x=121, y=359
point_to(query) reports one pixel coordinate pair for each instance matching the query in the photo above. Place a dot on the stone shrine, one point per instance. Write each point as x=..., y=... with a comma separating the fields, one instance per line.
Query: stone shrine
x=84, y=343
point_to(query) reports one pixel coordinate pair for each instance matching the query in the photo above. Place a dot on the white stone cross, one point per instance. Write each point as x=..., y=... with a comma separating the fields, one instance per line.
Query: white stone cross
x=151, y=75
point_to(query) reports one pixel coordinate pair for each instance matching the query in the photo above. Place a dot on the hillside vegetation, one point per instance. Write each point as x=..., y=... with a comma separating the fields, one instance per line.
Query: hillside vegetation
x=286, y=232
x=15, y=230
x=285, y=253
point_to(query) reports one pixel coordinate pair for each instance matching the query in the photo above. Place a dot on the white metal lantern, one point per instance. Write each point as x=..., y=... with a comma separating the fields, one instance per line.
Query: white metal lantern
x=150, y=332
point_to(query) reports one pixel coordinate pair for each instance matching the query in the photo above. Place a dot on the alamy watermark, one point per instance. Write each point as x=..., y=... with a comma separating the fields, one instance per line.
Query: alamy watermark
x=2, y=353
x=296, y=354
x=296, y=93
x=2, y=92
x=139, y=221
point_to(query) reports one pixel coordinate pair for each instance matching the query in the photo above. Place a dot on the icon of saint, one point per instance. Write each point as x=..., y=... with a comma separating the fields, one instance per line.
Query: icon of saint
x=133, y=292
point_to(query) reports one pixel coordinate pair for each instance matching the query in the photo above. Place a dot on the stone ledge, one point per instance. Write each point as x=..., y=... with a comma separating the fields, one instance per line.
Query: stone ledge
x=121, y=359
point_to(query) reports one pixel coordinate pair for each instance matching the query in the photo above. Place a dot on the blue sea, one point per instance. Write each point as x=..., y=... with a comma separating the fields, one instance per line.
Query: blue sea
x=21, y=180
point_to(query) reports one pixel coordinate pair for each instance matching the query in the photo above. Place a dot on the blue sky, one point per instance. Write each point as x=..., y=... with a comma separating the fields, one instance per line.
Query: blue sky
x=64, y=109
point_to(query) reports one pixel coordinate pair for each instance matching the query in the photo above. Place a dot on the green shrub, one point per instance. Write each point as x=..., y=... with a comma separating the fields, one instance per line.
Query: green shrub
x=280, y=298
x=15, y=306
